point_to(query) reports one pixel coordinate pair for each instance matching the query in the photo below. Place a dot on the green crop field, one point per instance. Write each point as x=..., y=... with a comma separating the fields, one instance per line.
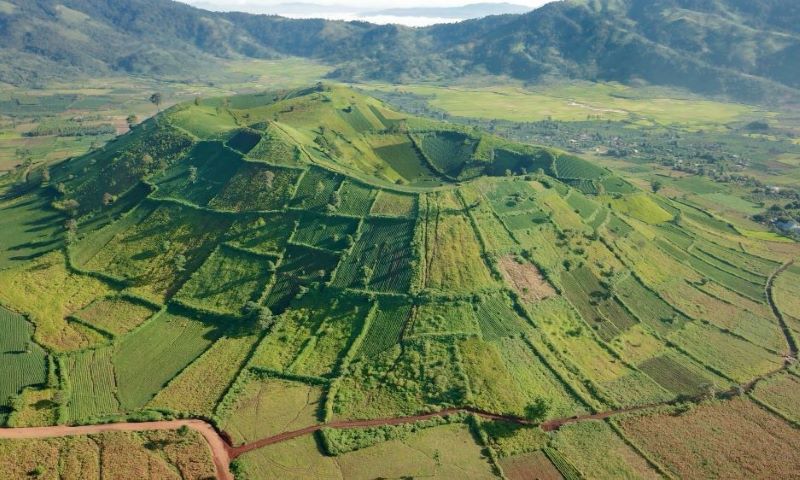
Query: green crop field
x=23, y=363
x=277, y=261
x=92, y=383
x=166, y=344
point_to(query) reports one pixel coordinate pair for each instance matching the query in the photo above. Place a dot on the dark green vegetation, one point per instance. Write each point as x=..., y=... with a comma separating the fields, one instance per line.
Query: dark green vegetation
x=744, y=49
x=335, y=259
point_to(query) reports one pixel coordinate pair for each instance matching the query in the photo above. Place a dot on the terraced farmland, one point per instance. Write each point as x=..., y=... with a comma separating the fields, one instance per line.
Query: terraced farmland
x=332, y=261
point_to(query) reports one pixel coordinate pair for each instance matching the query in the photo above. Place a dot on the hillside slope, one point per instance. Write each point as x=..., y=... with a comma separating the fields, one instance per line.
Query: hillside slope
x=744, y=49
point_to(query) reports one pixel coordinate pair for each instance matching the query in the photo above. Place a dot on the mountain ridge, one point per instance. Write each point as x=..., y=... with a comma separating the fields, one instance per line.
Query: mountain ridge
x=708, y=47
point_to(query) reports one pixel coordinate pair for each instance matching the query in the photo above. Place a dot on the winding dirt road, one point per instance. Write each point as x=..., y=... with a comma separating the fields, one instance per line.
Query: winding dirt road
x=223, y=452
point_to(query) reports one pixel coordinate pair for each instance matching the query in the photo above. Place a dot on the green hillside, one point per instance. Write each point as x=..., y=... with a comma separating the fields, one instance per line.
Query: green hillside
x=320, y=253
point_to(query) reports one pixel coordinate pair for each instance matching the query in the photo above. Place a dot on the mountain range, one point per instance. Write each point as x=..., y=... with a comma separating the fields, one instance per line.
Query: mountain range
x=743, y=49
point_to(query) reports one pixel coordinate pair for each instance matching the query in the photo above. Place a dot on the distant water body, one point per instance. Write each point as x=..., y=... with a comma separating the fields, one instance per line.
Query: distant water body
x=378, y=19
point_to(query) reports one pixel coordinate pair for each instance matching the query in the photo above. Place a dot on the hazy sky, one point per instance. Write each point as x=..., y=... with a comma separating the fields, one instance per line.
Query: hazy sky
x=368, y=4
x=350, y=9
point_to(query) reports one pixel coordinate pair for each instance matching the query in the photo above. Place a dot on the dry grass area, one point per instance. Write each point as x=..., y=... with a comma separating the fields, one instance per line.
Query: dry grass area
x=534, y=465
x=732, y=439
x=526, y=279
x=161, y=455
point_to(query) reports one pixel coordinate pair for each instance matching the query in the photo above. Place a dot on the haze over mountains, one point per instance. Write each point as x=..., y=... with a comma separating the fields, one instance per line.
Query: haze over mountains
x=374, y=13
x=741, y=48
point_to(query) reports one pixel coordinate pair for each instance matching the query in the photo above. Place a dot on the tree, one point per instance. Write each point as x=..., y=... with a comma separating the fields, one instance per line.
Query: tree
x=537, y=410
x=656, y=186
x=132, y=120
x=269, y=179
x=180, y=263
x=155, y=99
x=108, y=199
x=192, y=174
x=46, y=175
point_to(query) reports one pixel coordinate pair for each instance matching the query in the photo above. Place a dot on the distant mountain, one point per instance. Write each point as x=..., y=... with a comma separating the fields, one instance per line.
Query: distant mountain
x=474, y=10
x=745, y=49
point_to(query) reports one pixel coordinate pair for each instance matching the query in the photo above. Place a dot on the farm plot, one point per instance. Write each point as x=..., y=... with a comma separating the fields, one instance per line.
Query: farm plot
x=572, y=167
x=615, y=381
x=583, y=206
x=257, y=187
x=525, y=279
x=92, y=384
x=275, y=147
x=787, y=291
x=262, y=407
x=381, y=257
x=497, y=318
x=648, y=307
x=386, y=328
x=641, y=207
x=291, y=333
x=379, y=386
x=115, y=315
x=159, y=253
x=452, y=258
x=676, y=375
x=494, y=234
x=507, y=161
x=492, y=385
x=201, y=175
x=301, y=267
x=738, y=259
x=22, y=289
x=535, y=379
x=330, y=233
x=731, y=439
x=525, y=221
x=438, y=317
x=613, y=184
x=597, y=452
x=355, y=199
x=199, y=387
x=596, y=304
x=391, y=204
x=109, y=455
x=354, y=117
x=401, y=155
x=781, y=392
x=166, y=345
x=447, y=151
x=226, y=281
x=266, y=234
x=530, y=465
x=511, y=196
x=316, y=189
x=22, y=362
x=418, y=455
x=736, y=358
x=340, y=321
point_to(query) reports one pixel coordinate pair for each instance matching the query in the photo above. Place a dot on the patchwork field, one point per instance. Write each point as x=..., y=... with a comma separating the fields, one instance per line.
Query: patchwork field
x=313, y=259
